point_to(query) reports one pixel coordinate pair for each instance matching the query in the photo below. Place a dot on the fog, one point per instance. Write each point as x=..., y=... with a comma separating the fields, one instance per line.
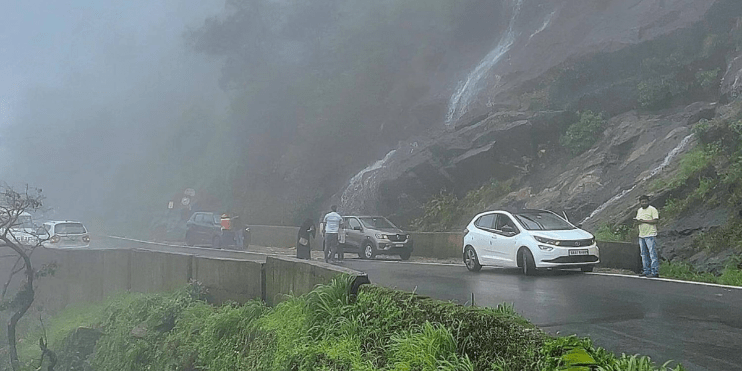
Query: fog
x=113, y=108
x=90, y=93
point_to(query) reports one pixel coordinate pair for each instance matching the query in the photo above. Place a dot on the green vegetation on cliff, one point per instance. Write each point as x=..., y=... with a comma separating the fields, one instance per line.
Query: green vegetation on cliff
x=581, y=135
x=446, y=212
x=327, y=329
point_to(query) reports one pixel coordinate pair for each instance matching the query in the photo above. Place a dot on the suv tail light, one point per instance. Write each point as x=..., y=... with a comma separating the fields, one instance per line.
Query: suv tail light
x=85, y=238
x=55, y=239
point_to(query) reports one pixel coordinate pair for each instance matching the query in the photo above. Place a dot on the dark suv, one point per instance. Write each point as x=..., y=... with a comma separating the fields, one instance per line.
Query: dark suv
x=205, y=229
x=375, y=235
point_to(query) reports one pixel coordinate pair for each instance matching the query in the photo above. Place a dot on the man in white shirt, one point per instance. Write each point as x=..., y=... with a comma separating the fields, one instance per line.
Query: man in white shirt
x=332, y=223
x=647, y=217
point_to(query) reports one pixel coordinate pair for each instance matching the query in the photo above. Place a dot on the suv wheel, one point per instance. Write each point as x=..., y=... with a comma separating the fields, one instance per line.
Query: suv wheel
x=369, y=252
x=471, y=260
x=405, y=256
x=588, y=268
x=527, y=263
x=216, y=242
x=189, y=238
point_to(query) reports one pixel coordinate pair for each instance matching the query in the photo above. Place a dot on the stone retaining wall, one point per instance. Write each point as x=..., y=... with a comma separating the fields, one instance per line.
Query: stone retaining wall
x=90, y=275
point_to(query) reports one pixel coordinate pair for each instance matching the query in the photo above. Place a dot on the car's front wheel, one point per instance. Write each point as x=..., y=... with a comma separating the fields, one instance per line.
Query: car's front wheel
x=405, y=256
x=588, y=268
x=216, y=242
x=369, y=252
x=471, y=260
x=527, y=263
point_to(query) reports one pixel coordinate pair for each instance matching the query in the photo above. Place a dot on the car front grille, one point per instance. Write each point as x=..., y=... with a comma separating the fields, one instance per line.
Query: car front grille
x=575, y=243
x=574, y=259
x=401, y=237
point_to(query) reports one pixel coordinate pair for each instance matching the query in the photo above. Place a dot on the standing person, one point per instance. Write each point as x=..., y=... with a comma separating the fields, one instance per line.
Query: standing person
x=332, y=223
x=303, y=245
x=647, y=218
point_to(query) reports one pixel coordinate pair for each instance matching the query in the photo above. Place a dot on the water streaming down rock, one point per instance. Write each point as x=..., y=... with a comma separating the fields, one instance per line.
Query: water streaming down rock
x=546, y=23
x=670, y=156
x=475, y=81
x=352, y=198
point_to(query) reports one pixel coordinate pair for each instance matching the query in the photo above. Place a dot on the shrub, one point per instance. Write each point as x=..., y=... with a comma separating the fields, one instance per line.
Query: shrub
x=581, y=135
x=708, y=79
x=620, y=233
x=446, y=211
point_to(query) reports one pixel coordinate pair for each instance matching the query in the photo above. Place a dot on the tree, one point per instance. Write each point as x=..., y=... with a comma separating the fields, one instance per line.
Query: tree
x=14, y=235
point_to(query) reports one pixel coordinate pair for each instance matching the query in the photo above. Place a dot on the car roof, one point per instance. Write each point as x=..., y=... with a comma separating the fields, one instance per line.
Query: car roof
x=54, y=222
x=515, y=211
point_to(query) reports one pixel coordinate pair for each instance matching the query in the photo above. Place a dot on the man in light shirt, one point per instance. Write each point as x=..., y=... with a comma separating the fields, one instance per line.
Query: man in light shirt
x=332, y=223
x=647, y=218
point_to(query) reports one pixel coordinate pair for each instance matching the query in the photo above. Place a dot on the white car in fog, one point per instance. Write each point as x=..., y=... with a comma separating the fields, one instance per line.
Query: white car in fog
x=23, y=231
x=64, y=234
x=527, y=239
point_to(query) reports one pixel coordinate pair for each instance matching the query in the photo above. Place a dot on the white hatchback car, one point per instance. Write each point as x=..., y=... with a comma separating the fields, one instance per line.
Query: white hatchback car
x=527, y=239
x=65, y=234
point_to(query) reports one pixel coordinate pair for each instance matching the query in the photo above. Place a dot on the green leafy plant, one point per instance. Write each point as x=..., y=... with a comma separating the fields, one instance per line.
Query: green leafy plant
x=607, y=232
x=446, y=211
x=581, y=135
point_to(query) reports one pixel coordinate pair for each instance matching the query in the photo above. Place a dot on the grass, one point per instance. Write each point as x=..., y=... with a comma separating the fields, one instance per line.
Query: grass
x=382, y=329
x=731, y=274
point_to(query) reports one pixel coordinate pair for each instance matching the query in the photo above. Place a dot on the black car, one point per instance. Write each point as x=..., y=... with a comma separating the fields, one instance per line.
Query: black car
x=206, y=229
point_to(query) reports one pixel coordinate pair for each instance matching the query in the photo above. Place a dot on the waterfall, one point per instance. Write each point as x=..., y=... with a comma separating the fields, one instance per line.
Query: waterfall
x=468, y=89
x=546, y=23
x=670, y=156
x=361, y=184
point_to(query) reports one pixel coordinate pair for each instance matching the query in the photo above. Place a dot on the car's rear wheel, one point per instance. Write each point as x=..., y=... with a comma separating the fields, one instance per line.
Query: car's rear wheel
x=369, y=252
x=588, y=268
x=471, y=260
x=189, y=238
x=216, y=242
x=527, y=263
x=405, y=256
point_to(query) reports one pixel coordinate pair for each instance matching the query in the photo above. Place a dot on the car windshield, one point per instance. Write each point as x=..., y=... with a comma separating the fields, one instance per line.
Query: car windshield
x=69, y=228
x=377, y=223
x=542, y=220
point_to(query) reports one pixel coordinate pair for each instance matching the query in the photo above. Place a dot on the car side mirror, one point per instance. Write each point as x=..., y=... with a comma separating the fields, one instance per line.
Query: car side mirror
x=358, y=228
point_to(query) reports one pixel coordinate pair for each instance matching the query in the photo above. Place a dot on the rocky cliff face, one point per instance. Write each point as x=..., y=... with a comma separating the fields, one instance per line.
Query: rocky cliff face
x=554, y=59
x=548, y=35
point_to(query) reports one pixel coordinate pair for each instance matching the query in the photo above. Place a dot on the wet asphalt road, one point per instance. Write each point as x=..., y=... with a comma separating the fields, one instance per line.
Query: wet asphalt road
x=699, y=326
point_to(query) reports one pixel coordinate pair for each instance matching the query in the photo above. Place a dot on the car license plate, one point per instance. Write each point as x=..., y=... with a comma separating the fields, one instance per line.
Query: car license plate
x=578, y=252
x=70, y=238
x=398, y=245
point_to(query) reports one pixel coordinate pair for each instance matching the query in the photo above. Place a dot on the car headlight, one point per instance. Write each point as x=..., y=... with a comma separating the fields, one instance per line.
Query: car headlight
x=547, y=240
x=381, y=236
x=55, y=239
x=86, y=238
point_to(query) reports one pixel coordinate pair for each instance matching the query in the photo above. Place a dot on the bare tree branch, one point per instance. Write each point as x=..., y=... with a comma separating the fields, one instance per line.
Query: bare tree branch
x=12, y=205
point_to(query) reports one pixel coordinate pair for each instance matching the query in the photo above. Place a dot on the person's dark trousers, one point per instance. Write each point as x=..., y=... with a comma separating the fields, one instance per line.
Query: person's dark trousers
x=331, y=246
